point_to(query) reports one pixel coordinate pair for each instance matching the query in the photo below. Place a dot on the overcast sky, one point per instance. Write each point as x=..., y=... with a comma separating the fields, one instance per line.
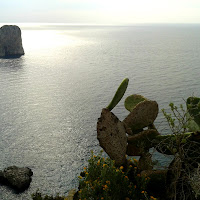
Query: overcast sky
x=100, y=11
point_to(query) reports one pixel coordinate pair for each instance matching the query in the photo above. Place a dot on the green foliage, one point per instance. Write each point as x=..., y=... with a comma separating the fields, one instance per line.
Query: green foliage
x=119, y=94
x=192, y=125
x=38, y=196
x=132, y=100
x=184, y=146
x=193, y=106
x=103, y=180
x=177, y=119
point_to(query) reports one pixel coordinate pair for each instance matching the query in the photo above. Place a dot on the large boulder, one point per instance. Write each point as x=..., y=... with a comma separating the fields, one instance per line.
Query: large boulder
x=18, y=178
x=10, y=41
x=112, y=136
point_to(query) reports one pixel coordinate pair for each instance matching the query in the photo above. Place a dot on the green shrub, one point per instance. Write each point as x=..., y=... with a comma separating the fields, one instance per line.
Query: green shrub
x=103, y=180
x=38, y=196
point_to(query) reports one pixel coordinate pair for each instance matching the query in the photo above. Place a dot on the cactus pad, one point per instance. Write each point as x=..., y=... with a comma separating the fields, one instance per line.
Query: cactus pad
x=132, y=101
x=193, y=106
x=119, y=94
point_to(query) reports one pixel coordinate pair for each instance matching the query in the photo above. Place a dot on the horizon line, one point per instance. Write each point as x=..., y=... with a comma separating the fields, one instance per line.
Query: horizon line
x=99, y=24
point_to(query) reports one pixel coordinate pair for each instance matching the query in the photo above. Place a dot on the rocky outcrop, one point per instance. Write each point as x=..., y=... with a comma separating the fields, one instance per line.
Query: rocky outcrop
x=10, y=41
x=16, y=177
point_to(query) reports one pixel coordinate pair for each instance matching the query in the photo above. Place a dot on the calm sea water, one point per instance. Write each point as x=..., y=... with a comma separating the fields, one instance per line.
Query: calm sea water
x=51, y=98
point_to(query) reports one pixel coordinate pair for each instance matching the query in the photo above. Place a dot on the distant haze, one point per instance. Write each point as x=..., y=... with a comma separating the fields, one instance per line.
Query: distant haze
x=100, y=11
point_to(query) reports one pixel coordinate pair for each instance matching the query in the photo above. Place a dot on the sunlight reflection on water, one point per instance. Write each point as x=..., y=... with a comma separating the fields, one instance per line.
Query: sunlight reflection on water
x=52, y=96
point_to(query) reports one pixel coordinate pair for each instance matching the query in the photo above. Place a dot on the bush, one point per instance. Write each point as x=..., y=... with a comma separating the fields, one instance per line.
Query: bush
x=38, y=196
x=103, y=180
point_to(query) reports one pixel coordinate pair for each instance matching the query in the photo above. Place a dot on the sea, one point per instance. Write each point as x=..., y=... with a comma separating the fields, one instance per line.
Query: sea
x=52, y=97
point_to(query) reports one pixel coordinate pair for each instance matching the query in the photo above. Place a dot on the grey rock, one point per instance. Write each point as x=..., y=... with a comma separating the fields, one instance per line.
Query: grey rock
x=112, y=136
x=10, y=41
x=18, y=178
x=142, y=116
x=1, y=177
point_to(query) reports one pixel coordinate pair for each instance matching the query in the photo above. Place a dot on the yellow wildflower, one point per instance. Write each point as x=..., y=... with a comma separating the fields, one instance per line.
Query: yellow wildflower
x=117, y=170
x=108, y=182
x=143, y=192
x=121, y=167
x=105, y=187
x=135, y=160
x=126, y=177
x=98, y=163
x=130, y=166
x=104, y=165
x=84, y=168
x=79, y=191
x=80, y=177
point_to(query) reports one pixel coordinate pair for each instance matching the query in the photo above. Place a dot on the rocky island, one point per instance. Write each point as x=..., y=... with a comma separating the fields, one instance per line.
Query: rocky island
x=18, y=178
x=10, y=42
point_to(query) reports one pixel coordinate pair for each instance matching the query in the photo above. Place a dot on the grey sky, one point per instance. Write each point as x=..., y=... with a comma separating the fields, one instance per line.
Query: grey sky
x=100, y=11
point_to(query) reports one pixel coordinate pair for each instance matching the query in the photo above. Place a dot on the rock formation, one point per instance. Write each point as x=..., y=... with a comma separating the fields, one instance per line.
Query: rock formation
x=16, y=177
x=10, y=41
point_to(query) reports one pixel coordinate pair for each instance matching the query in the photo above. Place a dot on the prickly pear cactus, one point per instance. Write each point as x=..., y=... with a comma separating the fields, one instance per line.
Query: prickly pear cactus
x=119, y=94
x=193, y=106
x=142, y=116
x=132, y=100
x=191, y=124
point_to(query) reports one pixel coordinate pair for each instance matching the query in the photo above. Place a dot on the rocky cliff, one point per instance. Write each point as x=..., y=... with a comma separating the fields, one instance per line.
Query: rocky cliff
x=10, y=41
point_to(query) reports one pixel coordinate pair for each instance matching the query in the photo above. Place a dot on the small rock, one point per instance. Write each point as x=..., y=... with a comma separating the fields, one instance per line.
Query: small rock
x=112, y=136
x=142, y=116
x=18, y=178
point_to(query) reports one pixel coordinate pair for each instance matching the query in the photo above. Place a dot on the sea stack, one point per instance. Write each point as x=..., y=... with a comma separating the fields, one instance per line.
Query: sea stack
x=10, y=42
